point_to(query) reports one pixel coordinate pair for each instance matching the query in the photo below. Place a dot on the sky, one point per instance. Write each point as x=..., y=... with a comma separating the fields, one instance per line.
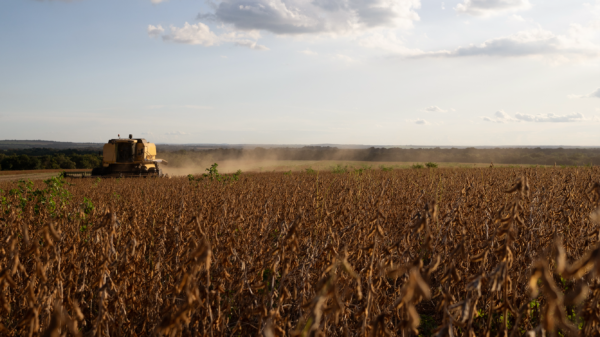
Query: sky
x=380, y=72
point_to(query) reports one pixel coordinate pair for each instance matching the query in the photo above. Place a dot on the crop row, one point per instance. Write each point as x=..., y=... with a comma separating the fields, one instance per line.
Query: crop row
x=405, y=252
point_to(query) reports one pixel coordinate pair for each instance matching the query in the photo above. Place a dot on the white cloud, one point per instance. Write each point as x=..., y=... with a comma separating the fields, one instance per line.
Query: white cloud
x=503, y=117
x=192, y=34
x=200, y=34
x=593, y=8
x=244, y=39
x=576, y=44
x=500, y=117
x=251, y=44
x=175, y=133
x=155, y=31
x=420, y=122
x=435, y=108
x=552, y=118
x=157, y=1
x=491, y=7
x=517, y=18
x=376, y=24
x=386, y=40
x=590, y=95
x=344, y=58
x=318, y=16
x=309, y=52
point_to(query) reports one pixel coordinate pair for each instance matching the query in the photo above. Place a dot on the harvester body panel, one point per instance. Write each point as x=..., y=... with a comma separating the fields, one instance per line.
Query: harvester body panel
x=129, y=157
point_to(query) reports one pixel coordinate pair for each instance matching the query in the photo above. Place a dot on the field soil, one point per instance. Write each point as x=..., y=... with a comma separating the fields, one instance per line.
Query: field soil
x=34, y=174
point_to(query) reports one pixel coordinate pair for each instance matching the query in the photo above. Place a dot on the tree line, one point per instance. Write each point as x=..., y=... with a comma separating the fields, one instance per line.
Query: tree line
x=42, y=158
x=47, y=159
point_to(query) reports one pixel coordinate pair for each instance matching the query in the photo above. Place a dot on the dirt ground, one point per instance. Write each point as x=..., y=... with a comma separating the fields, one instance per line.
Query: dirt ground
x=32, y=174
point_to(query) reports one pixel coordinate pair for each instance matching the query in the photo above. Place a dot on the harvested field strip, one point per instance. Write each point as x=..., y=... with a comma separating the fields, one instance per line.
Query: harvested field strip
x=33, y=174
x=24, y=172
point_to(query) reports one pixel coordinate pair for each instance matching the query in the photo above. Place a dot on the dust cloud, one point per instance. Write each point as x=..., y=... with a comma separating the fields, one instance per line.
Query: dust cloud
x=196, y=161
x=232, y=166
x=181, y=163
x=228, y=166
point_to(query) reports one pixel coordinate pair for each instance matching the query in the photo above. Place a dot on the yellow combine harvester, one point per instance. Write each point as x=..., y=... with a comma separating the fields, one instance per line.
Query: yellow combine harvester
x=129, y=158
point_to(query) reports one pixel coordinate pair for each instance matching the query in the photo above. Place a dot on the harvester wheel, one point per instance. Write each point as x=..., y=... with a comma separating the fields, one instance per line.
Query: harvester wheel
x=97, y=171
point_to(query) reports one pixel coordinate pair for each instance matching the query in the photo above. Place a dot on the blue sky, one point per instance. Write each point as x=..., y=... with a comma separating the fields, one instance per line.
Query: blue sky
x=395, y=72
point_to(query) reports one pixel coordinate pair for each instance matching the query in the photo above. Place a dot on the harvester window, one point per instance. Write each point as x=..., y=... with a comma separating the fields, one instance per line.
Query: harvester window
x=125, y=152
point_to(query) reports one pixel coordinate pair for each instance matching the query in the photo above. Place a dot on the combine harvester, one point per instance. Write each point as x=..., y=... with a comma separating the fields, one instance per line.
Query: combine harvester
x=126, y=158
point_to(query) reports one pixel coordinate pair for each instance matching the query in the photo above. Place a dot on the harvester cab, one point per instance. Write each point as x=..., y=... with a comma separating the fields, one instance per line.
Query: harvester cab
x=129, y=157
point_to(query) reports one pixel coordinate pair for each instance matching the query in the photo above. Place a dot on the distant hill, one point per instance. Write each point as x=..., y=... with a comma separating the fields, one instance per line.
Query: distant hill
x=31, y=144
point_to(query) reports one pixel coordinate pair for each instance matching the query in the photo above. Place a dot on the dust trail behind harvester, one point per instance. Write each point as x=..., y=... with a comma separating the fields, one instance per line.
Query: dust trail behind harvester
x=195, y=161
x=225, y=166
x=256, y=160
x=231, y=166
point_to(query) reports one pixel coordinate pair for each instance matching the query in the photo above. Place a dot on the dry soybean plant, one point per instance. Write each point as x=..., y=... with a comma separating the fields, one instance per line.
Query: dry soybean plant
x=443, y=252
